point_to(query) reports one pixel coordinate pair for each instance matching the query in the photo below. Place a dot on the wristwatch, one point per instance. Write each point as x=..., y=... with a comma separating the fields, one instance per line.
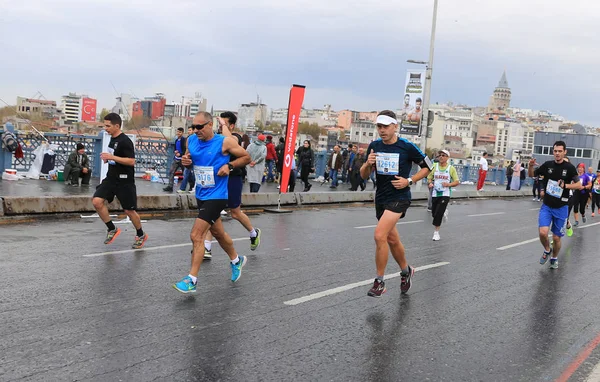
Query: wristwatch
x=410, y=182
x=230, y=166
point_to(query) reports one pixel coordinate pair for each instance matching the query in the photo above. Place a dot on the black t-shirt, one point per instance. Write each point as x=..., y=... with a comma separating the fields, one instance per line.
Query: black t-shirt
x=236, y=171
x=121, y=146
x=395, y=160
x=552, y=172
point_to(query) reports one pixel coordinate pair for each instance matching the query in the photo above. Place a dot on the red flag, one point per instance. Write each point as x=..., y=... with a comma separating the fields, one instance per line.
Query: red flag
x=294, y=108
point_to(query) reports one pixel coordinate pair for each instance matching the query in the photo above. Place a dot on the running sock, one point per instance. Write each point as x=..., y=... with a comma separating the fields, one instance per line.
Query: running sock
x=554, y=258
x=236, y=260
x=110, y=225
x=406, y=270
x=208, y=245
x=253, y=233
x=380, y=278
x=194, y=279
x=548, y=252
x=140, y=233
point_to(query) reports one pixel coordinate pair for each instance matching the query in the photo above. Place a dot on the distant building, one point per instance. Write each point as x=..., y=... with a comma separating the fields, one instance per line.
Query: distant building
x=249, y=113
x=346, y=118
x=150, y=107
x=78, y=108
x=581, y=148
x=500, y=100
x=363, y=132
x=44, y=108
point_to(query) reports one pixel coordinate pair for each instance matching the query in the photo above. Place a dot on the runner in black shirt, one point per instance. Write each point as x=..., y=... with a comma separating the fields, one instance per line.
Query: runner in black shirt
x=119, y=181
x=559, y=177
x=392, y=159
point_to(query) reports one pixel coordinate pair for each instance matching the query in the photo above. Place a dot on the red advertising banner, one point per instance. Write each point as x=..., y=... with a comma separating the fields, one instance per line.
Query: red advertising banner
x=294, y=108
x=88, y=110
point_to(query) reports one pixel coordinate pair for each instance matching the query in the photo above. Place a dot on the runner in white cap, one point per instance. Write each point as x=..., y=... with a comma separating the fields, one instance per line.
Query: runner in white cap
x=392, y=158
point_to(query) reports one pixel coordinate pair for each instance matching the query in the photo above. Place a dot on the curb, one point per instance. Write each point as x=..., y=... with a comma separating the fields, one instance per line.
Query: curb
x=15, y=205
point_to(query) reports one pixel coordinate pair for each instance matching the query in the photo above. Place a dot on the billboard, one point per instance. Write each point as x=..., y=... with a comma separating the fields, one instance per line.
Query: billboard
x=88, y=110
x=411, y=111
x=294, y=110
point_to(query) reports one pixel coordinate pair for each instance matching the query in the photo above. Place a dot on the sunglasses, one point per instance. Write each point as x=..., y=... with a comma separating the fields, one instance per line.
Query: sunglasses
x=200, y=127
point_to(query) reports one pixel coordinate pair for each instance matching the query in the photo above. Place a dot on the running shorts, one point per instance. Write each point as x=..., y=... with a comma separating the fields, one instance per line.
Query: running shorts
x=399, y=207
x=210, y=210
x=125, y=192
x=555, y=216
x=234, y=191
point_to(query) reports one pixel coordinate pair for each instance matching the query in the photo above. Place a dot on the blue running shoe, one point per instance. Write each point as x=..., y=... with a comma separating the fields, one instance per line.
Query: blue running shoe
x=545, y=256
x=553, y=263
x=186, y=285
x=236, y=270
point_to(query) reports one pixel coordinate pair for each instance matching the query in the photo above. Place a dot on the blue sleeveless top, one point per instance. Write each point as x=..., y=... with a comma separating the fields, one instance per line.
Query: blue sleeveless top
x=207, y=159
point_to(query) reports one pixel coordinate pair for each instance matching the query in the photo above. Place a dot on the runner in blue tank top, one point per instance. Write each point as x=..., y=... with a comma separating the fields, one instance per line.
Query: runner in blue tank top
x=209, y=154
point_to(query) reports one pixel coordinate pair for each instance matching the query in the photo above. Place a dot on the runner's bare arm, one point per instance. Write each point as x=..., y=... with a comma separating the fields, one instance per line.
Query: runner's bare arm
x=120, y=160
x=225, y=128
x=231, y=146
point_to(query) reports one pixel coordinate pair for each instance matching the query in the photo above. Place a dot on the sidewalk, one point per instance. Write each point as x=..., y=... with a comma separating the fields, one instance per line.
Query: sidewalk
x=27, y=196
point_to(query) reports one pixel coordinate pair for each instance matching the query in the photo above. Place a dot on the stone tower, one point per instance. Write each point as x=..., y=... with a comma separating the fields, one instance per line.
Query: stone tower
x=500, y=101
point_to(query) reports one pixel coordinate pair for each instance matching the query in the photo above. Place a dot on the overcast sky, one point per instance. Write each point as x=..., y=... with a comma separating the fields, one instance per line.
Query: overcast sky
x=351, y=54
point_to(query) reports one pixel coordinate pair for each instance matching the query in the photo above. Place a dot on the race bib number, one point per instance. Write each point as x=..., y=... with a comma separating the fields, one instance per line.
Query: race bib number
x=596, y=186
x=111, y=152
x=553, y=189
x=388, y=163
x=205, y=176
x=437, y=185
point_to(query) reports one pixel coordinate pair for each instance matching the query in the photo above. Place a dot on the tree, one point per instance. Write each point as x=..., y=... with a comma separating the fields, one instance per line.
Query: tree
x=312, y=129
x=259, y=125
x=7, y=111
x=431, y=152
x=103, y=114
x=275, y=127
x=137, y=122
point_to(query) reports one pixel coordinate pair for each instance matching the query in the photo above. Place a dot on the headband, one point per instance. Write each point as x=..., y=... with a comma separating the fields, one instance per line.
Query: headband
x=385, y=120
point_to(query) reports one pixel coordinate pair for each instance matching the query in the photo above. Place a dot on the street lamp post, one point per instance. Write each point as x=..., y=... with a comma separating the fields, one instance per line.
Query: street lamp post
x=428, y=71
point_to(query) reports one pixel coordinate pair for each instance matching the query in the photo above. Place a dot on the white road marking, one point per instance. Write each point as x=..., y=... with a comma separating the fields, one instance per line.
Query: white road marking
x=587, y=225
x=518, y=244
x=344, y=288
x=399, y=223
x=490, y=214
x=286, y=249
x=594, y=375
x=151, y=248
x=534, y=209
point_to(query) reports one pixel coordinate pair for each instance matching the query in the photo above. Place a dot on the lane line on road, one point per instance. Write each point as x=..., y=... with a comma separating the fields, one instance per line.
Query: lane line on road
x=537, y=238
x=399, y=223
x=518, y=244
x=581, y=358
x=534, y=209
x=344, y=288
x=490, y=214
x=151, y=248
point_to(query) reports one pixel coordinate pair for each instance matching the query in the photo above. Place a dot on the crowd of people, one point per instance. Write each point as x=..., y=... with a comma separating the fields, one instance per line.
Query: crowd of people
x=219, y=161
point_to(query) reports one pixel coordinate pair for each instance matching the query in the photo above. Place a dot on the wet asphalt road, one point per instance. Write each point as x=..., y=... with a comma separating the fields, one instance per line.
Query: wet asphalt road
x=488, y=315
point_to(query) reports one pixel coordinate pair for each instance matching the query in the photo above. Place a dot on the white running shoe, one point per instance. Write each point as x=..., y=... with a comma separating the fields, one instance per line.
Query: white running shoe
x=223, y=213
x=436, y=236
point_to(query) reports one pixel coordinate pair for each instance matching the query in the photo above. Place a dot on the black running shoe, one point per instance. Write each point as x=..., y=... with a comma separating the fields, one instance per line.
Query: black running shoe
x=378, y=289
x=406, y=279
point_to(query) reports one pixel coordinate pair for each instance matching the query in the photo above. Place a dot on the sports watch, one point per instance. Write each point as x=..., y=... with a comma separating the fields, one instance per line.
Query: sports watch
x=410, y=182
x=230, y=166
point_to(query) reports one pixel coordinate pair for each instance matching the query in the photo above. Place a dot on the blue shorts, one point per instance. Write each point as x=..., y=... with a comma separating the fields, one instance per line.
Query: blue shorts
x=555, y=216
x=234, y=190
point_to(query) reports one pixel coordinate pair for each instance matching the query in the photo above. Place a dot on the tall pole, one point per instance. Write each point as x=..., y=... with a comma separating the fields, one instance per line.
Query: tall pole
x=427, y=90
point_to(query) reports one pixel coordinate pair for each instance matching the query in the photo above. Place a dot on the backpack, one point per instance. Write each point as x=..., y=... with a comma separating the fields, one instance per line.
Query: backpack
x=10, y=141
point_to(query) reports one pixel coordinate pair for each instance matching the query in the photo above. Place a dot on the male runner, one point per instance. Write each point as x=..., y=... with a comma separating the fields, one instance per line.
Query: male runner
x=234, y=187
x=559, y=177
x=119, y=181
x=209, y=153
x=441, y=180
x=392, y=158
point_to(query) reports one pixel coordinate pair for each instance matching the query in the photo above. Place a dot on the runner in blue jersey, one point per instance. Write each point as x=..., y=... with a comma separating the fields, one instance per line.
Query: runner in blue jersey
x=559, y=177
x=209, y=154
x=392, y=159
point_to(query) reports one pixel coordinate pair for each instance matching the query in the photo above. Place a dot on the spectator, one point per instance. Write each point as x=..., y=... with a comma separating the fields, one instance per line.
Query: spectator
x=354, y=173
x=509, y=174
x=335, y=164
x=245, y=141
x=280, y=151
x=306, y=162
x=188, y=173
x=180, y=148
x=348, y=159
x=523, y=176
x=483, y=169
x=271, y=159
x=78, y=166
x=256, y=168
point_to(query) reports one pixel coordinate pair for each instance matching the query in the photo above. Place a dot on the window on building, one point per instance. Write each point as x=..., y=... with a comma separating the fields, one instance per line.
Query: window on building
x=570, y=152
x=587, y=153
x=537, y=149
x=546, y=150
x=578, y=153
x=370, y=134
x=356, y=133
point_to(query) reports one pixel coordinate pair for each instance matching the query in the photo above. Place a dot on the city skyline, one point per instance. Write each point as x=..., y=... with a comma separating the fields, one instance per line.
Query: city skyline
x=350, y=57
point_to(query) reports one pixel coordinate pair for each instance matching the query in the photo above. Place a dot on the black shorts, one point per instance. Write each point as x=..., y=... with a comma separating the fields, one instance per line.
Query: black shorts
x=210, y=210
x=125, y=192
x=399, y=207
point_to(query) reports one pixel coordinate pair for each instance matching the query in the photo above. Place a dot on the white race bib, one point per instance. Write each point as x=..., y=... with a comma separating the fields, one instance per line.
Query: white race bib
x=437, y=185
x=596, y=186
x=388, y=163
x=205, y=176
x=553, y=189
